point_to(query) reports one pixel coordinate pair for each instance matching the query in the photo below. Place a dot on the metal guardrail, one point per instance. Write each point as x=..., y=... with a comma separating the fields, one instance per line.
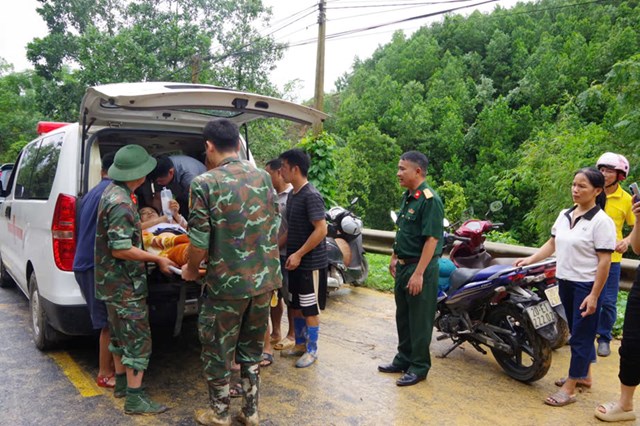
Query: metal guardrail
x=381, y=242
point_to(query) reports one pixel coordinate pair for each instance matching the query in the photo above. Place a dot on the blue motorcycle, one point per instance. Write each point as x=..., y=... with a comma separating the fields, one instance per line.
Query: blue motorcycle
x=495, y=307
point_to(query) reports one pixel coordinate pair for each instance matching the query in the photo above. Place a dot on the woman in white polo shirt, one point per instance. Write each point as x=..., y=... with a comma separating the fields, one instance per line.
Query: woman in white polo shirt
x=583, y=238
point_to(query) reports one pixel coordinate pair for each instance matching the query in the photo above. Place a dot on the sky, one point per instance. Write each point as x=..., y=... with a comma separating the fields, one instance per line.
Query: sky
x=293, y=21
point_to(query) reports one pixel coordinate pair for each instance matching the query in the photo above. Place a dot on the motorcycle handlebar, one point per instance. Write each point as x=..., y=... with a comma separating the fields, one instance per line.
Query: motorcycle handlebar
x=453, y=237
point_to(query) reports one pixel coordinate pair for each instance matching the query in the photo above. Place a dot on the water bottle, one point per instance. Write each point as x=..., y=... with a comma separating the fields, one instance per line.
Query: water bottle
x=165, y=197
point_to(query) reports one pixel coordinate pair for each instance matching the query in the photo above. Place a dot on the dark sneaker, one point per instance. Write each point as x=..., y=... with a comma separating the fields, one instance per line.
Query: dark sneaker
x=138, y=402
x=208, y=417
x=604, y=349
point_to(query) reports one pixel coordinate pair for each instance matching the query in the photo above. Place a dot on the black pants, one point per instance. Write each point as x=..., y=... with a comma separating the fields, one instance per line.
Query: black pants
x=630, y=349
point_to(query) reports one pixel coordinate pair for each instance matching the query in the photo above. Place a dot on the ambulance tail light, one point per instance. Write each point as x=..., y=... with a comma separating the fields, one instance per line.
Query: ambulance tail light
x=63, y=232
x=47, y=126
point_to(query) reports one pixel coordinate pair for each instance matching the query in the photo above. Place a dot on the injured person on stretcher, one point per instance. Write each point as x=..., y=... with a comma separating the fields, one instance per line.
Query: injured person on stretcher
x=162, y=238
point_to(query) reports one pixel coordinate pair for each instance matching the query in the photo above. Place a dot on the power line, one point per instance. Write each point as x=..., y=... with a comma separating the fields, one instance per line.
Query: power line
x=430, y=3
x=399, y=21
x=344, y=34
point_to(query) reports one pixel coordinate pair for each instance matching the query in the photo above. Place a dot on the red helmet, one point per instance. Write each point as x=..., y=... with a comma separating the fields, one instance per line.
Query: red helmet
x=614, y=161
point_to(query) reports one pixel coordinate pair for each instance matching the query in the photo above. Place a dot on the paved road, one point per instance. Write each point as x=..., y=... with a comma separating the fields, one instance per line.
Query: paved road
x=344, y=388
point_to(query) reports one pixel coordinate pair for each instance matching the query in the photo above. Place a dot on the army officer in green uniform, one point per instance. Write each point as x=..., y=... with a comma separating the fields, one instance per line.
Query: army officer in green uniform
x=121, y=277
x=414, y=265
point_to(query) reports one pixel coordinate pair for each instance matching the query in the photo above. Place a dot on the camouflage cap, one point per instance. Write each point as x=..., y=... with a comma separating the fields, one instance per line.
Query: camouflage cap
x=130, y=163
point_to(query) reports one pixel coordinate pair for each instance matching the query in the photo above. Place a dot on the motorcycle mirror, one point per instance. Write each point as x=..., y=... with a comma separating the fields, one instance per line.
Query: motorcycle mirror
x=445, y=222
x=355, y=200
x=394, y=216
x=495, y=206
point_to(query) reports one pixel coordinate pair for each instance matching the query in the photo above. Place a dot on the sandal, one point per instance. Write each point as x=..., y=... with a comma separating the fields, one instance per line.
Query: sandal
x=235, y=391
x=614, y=413
x=283, y=344
x=267, y=359
x=580, y=384
x=106, y=381
x=560, y=399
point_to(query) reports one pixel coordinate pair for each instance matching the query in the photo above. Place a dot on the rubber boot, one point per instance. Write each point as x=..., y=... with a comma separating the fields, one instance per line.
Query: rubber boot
x=120, y=390
x=250, y=376
x=219, y=401
x=138, y=402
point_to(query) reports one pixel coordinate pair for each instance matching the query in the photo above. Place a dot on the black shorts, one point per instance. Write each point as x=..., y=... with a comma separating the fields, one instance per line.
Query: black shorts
x=308, y=290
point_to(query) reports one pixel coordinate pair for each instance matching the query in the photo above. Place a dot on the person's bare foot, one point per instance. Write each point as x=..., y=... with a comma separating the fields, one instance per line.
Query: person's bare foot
x=275, y=337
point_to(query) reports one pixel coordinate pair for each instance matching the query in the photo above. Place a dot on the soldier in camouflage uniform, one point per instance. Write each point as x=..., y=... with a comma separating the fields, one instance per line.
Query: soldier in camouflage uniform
x=120, y=276
x=234, y=217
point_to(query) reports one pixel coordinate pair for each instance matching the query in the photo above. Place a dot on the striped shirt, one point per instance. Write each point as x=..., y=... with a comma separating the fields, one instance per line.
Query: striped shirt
x=303, y=208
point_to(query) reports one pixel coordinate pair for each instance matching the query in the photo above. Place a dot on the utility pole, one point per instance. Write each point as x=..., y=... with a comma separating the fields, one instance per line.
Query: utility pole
x=196, y=63
x=319, y=89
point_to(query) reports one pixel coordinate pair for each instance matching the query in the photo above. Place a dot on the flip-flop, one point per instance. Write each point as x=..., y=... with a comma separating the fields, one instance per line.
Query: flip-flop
x=580, y=384
x=267, y=359
x=614, y=413
x=283, y=344
x=560, y=399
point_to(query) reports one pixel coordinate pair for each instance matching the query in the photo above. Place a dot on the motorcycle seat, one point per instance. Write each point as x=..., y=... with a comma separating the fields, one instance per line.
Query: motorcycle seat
x=460, y=277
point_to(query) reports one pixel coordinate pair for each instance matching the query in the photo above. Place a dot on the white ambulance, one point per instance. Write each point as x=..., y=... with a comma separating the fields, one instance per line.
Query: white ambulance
x=51, y=173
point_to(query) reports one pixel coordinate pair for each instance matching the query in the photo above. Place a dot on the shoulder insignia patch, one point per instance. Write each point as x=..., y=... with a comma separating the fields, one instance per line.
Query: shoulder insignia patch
x=428, y=194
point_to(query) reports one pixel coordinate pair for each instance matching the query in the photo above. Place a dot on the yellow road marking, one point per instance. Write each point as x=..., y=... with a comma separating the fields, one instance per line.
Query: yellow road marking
x=81, y=380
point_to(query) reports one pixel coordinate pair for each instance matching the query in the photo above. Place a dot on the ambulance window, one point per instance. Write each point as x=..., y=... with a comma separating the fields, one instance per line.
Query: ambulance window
x=25, y=170
x=47, y=164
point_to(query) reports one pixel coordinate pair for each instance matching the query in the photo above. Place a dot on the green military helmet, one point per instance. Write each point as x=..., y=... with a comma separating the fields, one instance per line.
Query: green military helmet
x=131, y=162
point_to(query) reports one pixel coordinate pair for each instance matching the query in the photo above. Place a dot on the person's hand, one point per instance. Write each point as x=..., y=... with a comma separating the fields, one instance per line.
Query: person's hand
x=415, y=284
x=392, y=266
x=622, y=246
x=636, y=209
x=589, y=305
x=523, y=261
x=174, y=206
x=164, y=263
x=189, y=274
x=292, y=262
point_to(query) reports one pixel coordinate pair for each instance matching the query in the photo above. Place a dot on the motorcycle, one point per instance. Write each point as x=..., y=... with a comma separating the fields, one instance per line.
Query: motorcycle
x=495, y=306
x=467, y=250
x=347, y=263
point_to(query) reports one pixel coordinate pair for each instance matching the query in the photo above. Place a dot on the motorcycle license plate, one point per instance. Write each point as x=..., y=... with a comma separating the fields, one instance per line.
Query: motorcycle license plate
x=553, y=295
x=541, y=314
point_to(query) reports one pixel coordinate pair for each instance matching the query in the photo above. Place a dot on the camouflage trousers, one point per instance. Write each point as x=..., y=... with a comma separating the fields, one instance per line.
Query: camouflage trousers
x=130, y=333
x=228, y=327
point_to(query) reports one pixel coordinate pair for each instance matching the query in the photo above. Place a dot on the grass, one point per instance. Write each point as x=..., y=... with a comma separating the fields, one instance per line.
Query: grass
x=622, y=306
x=380, y=279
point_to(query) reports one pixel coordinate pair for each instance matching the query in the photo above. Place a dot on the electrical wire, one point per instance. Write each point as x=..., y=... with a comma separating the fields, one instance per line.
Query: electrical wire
x=399, y=21
x=430, y=3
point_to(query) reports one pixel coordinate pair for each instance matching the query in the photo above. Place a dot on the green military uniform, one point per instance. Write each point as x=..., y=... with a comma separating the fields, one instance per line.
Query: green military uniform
x=122, y=284
x=234, y=216
x=420, y=217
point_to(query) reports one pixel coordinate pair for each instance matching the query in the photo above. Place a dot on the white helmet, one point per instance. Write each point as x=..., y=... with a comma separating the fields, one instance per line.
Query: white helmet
x=351, y=225
x=614, y=161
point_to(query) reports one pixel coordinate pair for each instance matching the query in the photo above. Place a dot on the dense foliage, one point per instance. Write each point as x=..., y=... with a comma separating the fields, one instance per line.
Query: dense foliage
x=505, y=105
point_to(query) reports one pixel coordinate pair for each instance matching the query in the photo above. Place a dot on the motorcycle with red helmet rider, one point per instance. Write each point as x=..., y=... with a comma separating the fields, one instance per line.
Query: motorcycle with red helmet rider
x=347, y=263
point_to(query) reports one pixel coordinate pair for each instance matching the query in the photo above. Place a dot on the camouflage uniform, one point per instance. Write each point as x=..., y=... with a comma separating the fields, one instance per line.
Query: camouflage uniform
x=234, y=215
x=122, y=284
